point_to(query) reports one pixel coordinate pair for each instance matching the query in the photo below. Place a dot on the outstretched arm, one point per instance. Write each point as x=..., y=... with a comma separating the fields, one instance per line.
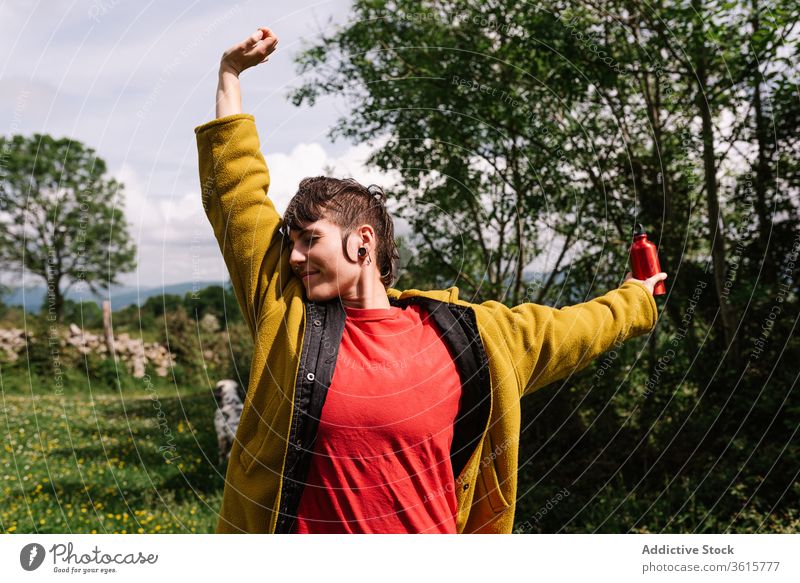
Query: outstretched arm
x=547, y=344
x=235, y=181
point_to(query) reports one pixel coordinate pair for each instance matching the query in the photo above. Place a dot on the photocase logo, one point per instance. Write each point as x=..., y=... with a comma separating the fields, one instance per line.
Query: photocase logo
x=31, y=556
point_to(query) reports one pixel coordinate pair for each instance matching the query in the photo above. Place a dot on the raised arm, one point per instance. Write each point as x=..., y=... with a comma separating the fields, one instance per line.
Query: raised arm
x=235, y=180
x=547, y=344
x=252, y=51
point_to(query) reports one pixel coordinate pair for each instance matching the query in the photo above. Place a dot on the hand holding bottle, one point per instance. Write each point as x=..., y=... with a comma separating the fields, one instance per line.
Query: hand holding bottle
x=650, y=283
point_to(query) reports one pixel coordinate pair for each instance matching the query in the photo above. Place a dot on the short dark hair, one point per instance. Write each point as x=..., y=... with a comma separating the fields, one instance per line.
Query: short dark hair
x=347, y=204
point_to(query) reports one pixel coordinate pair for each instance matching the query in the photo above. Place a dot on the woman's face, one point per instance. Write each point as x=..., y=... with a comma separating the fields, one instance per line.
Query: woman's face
x=316, y=249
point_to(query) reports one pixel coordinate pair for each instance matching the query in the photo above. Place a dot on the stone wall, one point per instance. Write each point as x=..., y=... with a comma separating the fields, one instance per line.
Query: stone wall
x=134, y=353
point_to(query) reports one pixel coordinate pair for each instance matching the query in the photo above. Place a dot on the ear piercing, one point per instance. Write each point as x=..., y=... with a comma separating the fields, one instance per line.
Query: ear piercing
x=363, y=251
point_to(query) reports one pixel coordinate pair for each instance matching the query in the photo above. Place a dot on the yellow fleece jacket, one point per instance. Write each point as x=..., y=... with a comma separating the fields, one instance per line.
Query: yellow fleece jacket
x=528, y=346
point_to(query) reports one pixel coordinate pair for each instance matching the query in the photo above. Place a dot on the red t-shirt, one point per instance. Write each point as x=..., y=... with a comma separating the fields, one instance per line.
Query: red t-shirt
x=381, y=462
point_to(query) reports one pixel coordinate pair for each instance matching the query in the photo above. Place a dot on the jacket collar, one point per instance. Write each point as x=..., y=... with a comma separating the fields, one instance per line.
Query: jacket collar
x=449, y=295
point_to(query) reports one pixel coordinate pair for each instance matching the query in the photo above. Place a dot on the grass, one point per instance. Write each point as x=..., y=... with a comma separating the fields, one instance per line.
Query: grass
x=84, y=458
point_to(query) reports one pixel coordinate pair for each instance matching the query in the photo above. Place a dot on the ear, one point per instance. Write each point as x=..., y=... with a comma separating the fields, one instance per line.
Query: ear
x=362, y=236
x=350, y=245
x=367, y=235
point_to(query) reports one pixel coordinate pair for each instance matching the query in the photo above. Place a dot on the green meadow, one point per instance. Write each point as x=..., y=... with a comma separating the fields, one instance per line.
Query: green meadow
x=88, y=448
x=109, y=461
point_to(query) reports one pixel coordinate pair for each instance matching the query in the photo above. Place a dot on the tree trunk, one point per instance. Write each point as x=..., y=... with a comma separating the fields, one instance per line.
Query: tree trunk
x=762, y=165
x=519, y=274
x=716, y=223
x=54, y=299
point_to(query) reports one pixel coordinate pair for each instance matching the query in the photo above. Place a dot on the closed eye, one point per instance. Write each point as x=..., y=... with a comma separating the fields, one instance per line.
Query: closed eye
x=308, y=242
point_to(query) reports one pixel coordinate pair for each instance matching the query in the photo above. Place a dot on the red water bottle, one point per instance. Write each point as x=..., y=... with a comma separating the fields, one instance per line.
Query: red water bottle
x=644, y=259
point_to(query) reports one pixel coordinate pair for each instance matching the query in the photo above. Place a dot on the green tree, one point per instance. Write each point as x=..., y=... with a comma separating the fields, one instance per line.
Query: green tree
x=85, y=314
x=505, y=122
x=160, y=304
x=214, y=299
x=61, y=217
x=483, y=171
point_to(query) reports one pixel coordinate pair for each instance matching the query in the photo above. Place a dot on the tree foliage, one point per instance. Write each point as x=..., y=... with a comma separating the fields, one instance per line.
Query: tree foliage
x=61, y=217
x=527, y=134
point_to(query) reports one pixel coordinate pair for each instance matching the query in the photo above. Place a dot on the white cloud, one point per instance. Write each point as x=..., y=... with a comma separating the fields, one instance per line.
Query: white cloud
x=132, y=80
x=287, y=170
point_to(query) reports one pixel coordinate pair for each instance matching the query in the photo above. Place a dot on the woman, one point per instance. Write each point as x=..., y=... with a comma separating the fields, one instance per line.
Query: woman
x=370, y=409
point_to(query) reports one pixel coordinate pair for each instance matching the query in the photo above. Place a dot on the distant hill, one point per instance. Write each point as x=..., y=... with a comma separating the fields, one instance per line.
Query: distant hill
x=122, y=296
x=32, y=298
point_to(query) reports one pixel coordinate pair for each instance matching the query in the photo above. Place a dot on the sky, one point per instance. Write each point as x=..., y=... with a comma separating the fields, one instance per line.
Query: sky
x=133, y=79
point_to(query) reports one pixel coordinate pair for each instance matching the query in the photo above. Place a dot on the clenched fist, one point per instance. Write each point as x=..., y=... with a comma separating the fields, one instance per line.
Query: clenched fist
x=253, y=50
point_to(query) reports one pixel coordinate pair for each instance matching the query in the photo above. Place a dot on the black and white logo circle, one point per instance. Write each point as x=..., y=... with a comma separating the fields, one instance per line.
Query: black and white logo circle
x=31, y=556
